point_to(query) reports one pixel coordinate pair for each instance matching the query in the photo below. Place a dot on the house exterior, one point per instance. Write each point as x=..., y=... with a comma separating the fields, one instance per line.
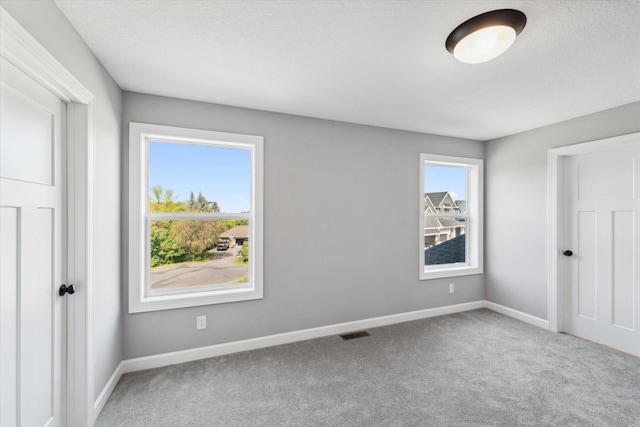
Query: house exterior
x=240, y=233
x=438, y=230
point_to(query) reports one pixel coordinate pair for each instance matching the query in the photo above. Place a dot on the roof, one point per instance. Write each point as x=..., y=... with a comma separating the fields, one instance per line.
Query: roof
x=429, y=206
x=436, y=198
x=449, y=252
x=239, y=232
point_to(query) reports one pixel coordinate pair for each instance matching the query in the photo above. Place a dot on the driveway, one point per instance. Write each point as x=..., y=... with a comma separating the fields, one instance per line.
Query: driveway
x=220, y=270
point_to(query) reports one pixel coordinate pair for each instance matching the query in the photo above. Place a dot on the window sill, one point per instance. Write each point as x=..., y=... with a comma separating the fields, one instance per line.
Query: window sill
x=193, y=299
x=449, y=272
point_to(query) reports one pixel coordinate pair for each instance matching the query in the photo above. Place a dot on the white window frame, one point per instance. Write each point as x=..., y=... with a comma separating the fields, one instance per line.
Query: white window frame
x=474, y=224
x=140, y=134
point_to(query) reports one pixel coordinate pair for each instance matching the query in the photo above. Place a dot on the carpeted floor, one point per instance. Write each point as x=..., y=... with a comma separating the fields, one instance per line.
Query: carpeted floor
x=477, y=368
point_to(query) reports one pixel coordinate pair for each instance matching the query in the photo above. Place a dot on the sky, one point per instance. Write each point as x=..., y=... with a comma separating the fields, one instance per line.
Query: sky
x=220, y=174
x=446, y=178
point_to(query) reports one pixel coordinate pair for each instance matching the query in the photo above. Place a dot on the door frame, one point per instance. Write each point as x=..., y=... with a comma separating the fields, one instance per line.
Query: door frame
x=556, y=216
x=26, y=53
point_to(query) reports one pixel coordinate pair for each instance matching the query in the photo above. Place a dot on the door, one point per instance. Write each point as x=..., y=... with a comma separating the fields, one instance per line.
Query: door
x=602, y=247
x=32, y=252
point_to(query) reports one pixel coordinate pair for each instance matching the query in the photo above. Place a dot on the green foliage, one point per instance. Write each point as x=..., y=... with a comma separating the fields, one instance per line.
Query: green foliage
x=241, y=221
x=162, y=201
x=195, y=237
x=164, y=249
x=243, y=253
x=198, y=236
x=176, y=241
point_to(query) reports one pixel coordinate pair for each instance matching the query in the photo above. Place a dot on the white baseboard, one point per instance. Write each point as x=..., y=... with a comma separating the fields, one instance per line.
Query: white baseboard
x=523, y=317
x=166, y=359
x=98, y=405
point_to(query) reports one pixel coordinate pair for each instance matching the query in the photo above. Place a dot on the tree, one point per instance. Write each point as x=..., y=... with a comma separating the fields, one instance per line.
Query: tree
x=173, y=240
x=156, y=190
x=195, y=236
x=163, y=201
x=164, y=249
x=242, y=221
x=201, y=204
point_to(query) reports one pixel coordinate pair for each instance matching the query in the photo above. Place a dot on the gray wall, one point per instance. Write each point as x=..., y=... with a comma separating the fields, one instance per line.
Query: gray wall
x=516, y=197
x=50, y=27
x=340, y=233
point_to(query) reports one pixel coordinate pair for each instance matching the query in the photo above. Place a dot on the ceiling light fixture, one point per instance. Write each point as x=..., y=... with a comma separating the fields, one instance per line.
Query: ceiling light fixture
x=486, y=36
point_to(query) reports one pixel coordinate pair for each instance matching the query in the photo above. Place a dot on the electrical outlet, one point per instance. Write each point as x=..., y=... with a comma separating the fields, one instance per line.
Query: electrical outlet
x=452, y=288
x=201, y=322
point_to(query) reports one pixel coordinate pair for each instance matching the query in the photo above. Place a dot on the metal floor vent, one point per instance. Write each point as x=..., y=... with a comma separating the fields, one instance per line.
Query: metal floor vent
x=354, y=335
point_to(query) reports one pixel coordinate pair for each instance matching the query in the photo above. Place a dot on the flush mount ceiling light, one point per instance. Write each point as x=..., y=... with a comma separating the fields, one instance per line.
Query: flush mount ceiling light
x=485, y=36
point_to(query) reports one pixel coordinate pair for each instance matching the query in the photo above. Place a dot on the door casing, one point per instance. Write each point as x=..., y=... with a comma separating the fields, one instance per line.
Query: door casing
x=556, y=216
x=21, y=49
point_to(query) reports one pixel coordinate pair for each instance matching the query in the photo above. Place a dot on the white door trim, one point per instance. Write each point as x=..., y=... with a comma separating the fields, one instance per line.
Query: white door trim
x=556, y=215
x=26, y=53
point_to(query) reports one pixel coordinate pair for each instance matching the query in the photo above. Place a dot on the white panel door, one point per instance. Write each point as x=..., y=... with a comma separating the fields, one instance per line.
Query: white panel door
x=602, y=230
x=32, y=252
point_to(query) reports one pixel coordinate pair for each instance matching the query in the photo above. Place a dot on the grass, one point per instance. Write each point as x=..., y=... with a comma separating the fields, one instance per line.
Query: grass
x=201, y=258
x=243, y=279
x=239, y=261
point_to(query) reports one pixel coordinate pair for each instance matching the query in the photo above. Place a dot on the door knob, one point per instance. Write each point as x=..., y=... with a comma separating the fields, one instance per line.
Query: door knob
x=567, y=253
x=64, y=289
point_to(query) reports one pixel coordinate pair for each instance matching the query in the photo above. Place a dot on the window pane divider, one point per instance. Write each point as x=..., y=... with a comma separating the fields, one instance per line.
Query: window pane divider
x=198, y=215
x=455, y=216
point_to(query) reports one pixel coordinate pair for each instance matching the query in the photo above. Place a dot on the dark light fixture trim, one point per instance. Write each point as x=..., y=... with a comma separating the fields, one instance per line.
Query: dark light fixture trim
x=503, y=17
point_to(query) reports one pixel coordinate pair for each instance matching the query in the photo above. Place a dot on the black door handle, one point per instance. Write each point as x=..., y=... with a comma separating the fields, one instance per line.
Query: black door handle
x=64, y=289
x=567, y=253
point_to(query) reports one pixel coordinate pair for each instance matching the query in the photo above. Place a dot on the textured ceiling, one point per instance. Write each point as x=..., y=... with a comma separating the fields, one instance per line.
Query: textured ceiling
x=379, y=63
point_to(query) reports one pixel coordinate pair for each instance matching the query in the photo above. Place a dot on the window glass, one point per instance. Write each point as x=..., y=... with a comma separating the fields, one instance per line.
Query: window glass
x=188, y=254
x=451, y=225
x=221, y=175
x=203, y=179
x=445, y=200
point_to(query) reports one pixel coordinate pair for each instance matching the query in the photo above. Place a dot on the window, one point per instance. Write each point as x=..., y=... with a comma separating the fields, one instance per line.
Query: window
x=195, y=224
x=450, y=216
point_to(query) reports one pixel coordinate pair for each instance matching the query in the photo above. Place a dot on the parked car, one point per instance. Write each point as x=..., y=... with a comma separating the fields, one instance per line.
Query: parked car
x=225, y=243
